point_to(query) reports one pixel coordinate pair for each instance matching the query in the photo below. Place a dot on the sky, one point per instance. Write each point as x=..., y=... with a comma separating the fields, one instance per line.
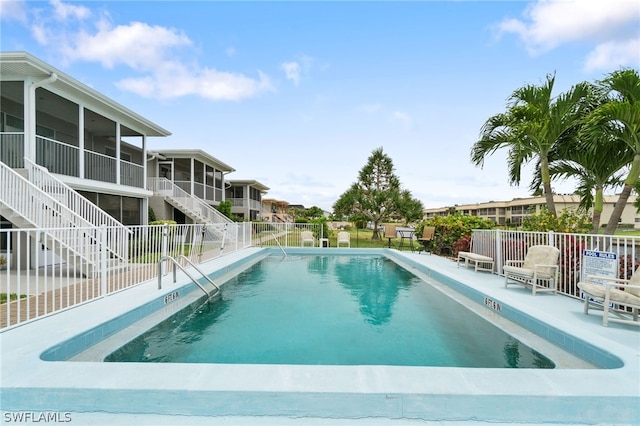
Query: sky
x=298, y=94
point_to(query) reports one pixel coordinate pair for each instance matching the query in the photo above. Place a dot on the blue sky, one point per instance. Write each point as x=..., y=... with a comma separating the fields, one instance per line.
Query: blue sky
x=298, y=94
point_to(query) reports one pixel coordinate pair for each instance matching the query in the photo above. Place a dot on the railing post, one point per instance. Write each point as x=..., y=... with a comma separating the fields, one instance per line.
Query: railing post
x=102, y=232
x=164, y=245
x=499, y=251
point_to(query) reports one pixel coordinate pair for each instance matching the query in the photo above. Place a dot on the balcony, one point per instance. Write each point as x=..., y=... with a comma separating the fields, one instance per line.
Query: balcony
x=61, y=158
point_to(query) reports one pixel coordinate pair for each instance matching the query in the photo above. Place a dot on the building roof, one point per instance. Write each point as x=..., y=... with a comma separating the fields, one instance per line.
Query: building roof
x=18, y=65
x=197, y=154
x=249, y=182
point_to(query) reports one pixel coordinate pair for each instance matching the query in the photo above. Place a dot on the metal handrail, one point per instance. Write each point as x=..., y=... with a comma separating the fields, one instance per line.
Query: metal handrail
x=278, y=243
x=175, y=262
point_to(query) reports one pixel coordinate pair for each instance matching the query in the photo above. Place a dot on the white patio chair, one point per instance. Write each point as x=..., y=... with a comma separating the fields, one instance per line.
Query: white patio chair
x=307, y=237
x=539, y=269
x=343, y=238
x=619, y=299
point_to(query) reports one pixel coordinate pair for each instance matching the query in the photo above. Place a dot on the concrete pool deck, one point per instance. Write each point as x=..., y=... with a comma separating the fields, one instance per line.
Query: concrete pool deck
x=129, y=393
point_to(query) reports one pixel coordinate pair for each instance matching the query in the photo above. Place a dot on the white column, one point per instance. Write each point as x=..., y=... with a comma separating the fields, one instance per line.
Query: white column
x=81, y=140
x=144, y=166
x=192, y=177
x=118, y=153
x=29, y=120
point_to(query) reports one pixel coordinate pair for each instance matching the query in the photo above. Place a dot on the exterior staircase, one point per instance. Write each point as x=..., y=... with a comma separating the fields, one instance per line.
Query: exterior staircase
x=194, y=207
x=67, y=234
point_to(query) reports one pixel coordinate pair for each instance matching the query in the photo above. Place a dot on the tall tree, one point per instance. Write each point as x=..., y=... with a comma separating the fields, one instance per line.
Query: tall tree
x=375, y=195
x=533, y=122
x=408, y=208
x=619, y=120
x=595, y=169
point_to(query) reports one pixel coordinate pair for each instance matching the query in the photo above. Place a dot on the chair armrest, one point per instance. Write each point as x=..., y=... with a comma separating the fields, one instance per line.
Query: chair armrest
x=514, y=262
x=540, y=265
x=611, y=280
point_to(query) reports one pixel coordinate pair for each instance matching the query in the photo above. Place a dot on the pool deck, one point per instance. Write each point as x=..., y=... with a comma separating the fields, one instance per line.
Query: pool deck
x=136, y=393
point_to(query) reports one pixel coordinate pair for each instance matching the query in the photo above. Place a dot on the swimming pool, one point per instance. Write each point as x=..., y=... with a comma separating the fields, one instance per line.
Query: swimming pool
x=330, y=310
x=37, y=377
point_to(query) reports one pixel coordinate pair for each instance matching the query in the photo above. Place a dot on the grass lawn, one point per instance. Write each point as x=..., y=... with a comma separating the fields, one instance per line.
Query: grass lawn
x=361, y=238
x=12, y=296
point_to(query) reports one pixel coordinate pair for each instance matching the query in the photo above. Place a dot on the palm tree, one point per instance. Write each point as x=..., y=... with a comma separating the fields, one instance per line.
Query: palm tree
x=594, y=171
x=531, y=126
x=619, y=120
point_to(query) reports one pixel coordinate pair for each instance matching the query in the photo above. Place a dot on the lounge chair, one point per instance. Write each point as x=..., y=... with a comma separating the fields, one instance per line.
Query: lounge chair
x=307, y=237
x=480, y=262
x=540, y=266
x=343, y=238
x=426, y=239
x=619, y=299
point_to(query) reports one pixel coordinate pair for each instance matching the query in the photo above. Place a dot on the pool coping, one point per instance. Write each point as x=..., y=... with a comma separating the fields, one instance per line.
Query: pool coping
x=430, y=393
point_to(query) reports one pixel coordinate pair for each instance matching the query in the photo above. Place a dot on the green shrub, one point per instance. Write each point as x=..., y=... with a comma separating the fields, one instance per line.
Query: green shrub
x=450, y=229
x=568, y=221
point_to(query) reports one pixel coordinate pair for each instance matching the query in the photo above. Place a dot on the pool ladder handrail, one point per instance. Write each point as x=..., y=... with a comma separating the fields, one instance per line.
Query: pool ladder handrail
x=278, y=243
x=182, y=268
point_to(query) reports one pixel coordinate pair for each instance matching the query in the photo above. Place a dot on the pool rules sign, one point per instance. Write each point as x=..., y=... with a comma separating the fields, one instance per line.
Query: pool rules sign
x=602, y=263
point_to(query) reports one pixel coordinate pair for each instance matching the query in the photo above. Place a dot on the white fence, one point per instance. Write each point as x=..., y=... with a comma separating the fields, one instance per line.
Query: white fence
x=51, y=279
x=49, y=276
x=512, y=245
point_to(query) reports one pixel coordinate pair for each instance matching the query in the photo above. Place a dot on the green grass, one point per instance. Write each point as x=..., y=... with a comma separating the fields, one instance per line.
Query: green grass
x=12, y=296
x=361, y=238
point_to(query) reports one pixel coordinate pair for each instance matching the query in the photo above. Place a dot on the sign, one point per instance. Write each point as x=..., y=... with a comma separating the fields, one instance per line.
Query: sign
x=602, y=263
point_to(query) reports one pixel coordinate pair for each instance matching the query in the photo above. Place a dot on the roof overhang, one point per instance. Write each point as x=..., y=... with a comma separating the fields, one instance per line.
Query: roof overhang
x=18, y=65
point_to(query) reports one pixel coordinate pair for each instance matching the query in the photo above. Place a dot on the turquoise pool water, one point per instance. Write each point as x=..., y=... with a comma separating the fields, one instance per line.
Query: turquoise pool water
x=330, y=310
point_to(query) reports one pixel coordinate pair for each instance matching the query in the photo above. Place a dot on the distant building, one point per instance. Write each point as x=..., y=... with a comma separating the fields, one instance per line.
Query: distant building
x=514, y=211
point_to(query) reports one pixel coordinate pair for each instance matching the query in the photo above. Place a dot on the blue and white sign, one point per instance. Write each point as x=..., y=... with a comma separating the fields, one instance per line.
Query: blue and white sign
x=602, y=263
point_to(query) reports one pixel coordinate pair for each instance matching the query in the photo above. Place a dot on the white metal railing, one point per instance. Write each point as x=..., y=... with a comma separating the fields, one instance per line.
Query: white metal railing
x=192, y=205
x=12, y=149
x=99, y=167
x=131, y=174
x=51, y=279
x=57, y=157
x=503, y=245
x=23, y=202
x=200, y=190
x=267, y=234
x=91, y=213
x=55, y=279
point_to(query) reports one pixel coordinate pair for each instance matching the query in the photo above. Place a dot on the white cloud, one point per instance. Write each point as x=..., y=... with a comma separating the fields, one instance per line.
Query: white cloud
x=292, y=71
x=402, y=118
x=13, y=10
x=613, y=25
x=605, y=54
x=370, y=108
x=64, y=11
x=175, y=80
x=295, y=69
x=138, y=45
x=158, y=53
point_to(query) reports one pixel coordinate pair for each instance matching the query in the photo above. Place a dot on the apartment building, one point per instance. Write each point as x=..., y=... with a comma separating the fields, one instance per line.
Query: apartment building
x=246, y=198
x=514, y=211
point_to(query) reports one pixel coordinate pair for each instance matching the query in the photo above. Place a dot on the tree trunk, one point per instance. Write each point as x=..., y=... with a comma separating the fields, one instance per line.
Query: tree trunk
x=551, y=205
x=598, y=205
x=546, y=184
x=616, y=214
x=596, y=220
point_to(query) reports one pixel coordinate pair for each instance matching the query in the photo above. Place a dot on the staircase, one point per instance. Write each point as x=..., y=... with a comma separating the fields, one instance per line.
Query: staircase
x=117, y=234
x=196, y=208
x=65, y=232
